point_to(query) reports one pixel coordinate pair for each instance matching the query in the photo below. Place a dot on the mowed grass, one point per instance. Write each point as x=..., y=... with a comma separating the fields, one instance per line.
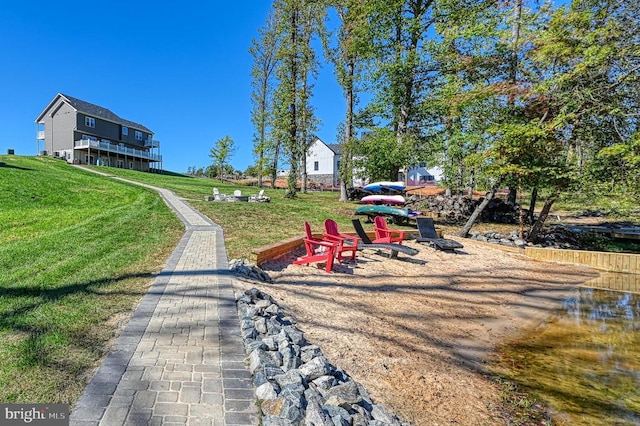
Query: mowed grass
x=250, y=225
x=77, y=251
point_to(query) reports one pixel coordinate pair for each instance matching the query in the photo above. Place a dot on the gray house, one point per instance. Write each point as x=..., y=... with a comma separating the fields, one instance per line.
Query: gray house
x=83, y=133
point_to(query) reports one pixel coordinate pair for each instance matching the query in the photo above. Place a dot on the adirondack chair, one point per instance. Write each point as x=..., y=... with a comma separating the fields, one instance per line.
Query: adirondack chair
x=259, y=197
x=345, y=242
x=366, y=243
x=217, y=196
x=318, y=250
x=384, y=234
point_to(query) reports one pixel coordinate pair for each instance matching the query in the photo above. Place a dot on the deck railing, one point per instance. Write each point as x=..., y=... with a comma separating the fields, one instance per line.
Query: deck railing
x=119, y=149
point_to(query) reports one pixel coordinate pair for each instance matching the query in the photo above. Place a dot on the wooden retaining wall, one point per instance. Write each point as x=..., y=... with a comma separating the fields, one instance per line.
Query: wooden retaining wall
x=271, y=251
x=613, y=262
x=627, y=283
x=260, y=255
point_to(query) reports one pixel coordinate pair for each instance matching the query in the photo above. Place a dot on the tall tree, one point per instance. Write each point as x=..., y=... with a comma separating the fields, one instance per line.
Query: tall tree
x=292, y=121
x=485, y=86
x=397, y=34
x=311, y=21
x=221, y=152
x=263, y=52
x=348, y=51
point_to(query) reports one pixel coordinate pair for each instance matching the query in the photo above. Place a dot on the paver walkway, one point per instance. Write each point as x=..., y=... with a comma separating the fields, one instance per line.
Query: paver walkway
x=180, y=359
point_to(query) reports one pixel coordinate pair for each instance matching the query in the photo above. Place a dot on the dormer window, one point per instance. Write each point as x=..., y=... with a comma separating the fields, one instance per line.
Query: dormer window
x=125, y=131
x=90, y=122
x=138, y=135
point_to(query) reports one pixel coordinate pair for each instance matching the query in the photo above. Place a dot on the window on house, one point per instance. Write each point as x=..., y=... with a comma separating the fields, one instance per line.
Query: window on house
x=316, y=166
x=90, y=122
x=125, y=131
x=138, y=135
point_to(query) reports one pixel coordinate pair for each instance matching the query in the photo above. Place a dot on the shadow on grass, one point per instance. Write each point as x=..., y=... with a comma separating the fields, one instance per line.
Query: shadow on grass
x=9, y=166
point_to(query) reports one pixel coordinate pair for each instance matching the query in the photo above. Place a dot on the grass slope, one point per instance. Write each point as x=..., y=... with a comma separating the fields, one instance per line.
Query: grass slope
x=77, y=251
x=250, y=225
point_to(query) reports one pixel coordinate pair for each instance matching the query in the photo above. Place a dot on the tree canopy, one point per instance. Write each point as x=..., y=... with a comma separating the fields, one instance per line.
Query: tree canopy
x=519, y=93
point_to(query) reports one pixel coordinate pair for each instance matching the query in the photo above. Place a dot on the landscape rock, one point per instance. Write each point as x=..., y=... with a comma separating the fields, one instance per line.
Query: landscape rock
x=247, y=269
x=294, y=381
x=315, y=368
x=266, y=391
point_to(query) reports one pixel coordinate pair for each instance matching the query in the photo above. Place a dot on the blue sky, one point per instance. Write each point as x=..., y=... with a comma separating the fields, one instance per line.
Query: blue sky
x=180, y=68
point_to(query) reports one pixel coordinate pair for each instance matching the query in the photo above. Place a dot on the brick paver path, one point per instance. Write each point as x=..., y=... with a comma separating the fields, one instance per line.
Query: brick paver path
x=180, y=359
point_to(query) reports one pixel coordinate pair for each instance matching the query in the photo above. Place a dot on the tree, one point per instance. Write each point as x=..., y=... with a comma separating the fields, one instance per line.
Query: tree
x=295, y=61
x=262, y=72
x=345, y=55
x=590, y=53
x=308, y=68
x=487, y=132
x=221, y=152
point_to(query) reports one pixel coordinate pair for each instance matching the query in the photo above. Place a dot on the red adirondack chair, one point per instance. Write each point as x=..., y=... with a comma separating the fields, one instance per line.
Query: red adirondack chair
x=317, y=250
x=384, y=234
x=345, y=242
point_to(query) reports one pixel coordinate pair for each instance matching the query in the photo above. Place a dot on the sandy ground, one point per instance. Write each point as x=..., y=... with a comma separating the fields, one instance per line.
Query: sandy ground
x=418, y=332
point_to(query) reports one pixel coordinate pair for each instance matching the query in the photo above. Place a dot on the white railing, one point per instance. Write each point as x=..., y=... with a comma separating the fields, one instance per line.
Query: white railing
x=110, y=147
x=41, y=135
x=152, y=143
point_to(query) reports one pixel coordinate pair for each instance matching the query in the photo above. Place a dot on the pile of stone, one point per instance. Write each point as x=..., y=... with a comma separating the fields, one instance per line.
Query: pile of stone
x=511, y=240
x=294, y=382
x=553, y=237
x=558, y=236
x=458, y=208
x=245, y=268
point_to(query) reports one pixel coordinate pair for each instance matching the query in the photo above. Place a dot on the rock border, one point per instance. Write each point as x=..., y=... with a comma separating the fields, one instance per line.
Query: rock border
x=294, y=383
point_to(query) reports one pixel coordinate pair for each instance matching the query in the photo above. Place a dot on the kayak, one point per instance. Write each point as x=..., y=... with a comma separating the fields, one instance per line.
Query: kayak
x=383, y=199
x=398, y=215
x=385, y=187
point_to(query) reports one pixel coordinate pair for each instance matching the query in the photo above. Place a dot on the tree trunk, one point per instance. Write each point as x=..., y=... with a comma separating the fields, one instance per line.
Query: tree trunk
x=520, y=222
x=274, y=165
x=464, y=232
x=532, y=204
x=535, y=229
x=303, y=169
x=512, y=197
x=293, y=129
x=346, y=167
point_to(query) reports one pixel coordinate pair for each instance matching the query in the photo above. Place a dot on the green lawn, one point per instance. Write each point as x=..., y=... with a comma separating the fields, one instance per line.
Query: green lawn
x=249, y=225
x=77, y=252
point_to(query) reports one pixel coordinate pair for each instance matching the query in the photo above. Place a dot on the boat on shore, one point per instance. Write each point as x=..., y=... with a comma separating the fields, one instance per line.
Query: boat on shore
x=385, y=187
x=383, y=199
x=397, y=215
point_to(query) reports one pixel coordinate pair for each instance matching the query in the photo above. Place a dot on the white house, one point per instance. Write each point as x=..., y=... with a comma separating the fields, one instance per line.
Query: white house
x=323, y=162
x=323, y=165
x=420, y=175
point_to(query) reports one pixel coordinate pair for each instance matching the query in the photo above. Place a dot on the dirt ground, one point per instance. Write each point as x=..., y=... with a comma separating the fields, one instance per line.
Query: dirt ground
x=418, y=332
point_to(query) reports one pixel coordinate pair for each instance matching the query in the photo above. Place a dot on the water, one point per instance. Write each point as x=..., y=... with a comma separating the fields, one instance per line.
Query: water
x=584, y=362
